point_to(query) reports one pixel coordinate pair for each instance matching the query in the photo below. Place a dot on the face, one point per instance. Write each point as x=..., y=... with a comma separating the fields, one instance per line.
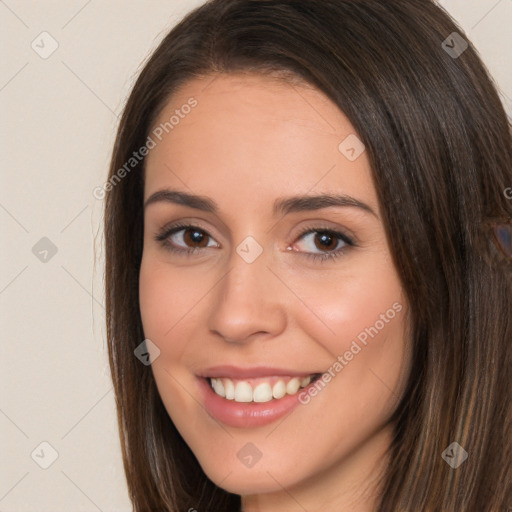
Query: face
x=266, y=275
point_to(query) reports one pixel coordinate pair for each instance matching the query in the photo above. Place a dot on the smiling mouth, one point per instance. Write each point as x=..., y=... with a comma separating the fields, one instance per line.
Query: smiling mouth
x=259, y=390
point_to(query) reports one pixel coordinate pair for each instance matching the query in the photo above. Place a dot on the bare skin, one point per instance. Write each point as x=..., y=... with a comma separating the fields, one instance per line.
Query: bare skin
x=250, y=141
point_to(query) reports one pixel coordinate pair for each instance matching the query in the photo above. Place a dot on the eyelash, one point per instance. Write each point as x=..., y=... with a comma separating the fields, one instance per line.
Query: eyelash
x=165, y=233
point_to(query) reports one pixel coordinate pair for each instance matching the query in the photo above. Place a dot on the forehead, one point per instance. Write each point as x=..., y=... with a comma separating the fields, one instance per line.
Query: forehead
x=230, y=102
x=254, y=135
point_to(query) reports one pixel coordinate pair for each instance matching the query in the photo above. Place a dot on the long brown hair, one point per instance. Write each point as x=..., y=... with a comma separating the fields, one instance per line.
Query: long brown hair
x=440, y=149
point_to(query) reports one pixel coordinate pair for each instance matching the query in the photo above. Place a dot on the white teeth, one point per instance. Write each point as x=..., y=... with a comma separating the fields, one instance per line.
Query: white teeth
x=305, y=381
x=229, y=387
x=218, y=387
x=293, y=386
x=279, y=389
x=242, y=391
x=262, y=392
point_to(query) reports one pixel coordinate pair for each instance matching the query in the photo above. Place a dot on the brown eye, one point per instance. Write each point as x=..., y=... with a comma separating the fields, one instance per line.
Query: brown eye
x=323, y=244
x=316, y=240
x=195, y=237
x=185, y=239
x=325, y=241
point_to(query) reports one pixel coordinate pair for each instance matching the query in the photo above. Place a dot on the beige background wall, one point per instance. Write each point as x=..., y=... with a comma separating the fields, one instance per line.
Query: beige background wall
x=58, y=118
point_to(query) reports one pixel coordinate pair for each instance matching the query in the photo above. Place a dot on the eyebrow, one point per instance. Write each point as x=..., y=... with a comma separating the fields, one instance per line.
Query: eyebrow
x=283, y=205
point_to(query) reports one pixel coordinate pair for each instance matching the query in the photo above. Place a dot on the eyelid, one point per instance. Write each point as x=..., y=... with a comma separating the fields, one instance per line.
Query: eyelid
x=339, y=236
x=164, y=234
x=322, y=225
x=184, y=224
x=336, y=234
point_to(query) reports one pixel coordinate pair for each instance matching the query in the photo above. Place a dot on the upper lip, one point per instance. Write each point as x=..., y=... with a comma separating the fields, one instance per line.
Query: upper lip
x=234, y=372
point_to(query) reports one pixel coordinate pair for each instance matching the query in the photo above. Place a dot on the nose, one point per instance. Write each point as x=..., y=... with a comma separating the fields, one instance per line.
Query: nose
x=248, y=302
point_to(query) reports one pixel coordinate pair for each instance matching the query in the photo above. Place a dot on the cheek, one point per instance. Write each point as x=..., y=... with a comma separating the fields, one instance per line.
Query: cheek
x=165, y=297
x=164, y=314
x=359, y=319
x=364, y=303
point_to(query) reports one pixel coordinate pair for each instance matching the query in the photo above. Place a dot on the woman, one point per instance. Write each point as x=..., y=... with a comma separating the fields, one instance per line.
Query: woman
x=308, y=264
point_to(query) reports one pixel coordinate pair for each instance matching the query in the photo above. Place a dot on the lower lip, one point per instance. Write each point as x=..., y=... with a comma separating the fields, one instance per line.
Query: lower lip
x=248, y=414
